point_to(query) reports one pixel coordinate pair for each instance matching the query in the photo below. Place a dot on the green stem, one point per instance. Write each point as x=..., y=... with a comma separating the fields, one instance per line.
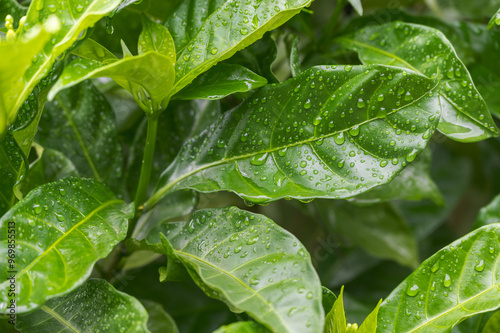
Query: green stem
x=333, y=22
x=147, y=161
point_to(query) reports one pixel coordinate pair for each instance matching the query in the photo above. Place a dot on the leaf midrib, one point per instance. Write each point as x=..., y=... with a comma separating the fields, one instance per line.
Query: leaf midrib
x=59, y=318
x=155, y=197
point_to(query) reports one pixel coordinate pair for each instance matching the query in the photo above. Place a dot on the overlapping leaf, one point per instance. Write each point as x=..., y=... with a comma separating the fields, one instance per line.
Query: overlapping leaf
x=331, y=132
x=495, y=20
x=93, y=307
x=31, y=52
x=250, y=263
x=61, y=230
x=207, y=32
x=464, y=114
x=12, y=166
x=489, y=214
x=243, y=327
x=455, y=283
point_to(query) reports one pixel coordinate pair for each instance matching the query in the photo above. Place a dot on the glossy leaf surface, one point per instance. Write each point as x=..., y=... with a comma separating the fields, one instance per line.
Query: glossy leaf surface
x=456, y=282
x=464, y=114
x=335, y=321
x=207, y=32
x=32, y=53
x=221, y=81
x=95, y=306
x=495, y=20
x=12, y=165
x=249, y=262
x=331, y=132
x=80, y=124
x=370, y=323
x=489, y=214
x=243, y=327
x=76, y=222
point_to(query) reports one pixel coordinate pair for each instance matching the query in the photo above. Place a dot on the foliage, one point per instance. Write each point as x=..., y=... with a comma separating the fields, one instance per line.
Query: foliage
x=249, y=166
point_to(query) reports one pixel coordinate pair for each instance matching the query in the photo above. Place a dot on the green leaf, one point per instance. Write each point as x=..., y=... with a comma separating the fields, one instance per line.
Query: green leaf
x=453, y=284
x=149, y=87
x=207, y=32
x=489, y=214
x=370, y=323
x=221, y=81
x=356, y=4
x=242, y=327
x=12, y=166
x=380, y=230
x=80, y=124
x=13, y=8
x=77, y=222
x=495, y=20
x=94, y=307
x=328, y=299
x=33, y=55
x=330, y=132
x=159, y=321
x=249, y=262
x=464, y=114
x=493, y=324
x=335, y=321
x=295, y=67
x=413, y=183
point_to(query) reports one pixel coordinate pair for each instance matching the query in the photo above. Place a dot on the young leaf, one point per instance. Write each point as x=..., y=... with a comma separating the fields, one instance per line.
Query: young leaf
x=250, y=263
x=207, y=32
x=93, y=307
x=331, y=132
x=495, y=20
x=76, y=222
x=335, y=321
x=243, y=327
x=370, y=323
x=464, y=114
x=453, y=284
x=358, y=7
x=12, y=8
x=80, y=124
x=380, y=230
x=489, y=214
x=33, y=55
x=221, y=81
x=134, y=73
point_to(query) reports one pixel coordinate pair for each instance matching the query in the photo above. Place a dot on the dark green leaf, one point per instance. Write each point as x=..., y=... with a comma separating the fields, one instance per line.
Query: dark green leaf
x=464, y=114
x=493, y=324
x=243, y=327
x=331, y=132
x=294, y=57
x=249, y=262
x=221, y=81
x=13, y=8
x=380, y=230
x=328, y=299
x=80, y=124
x=77, y=222
x=489, y=214
x=12, y=166
x=455, y=283
x=159, y=321
x=94, y=307
x=207, y=32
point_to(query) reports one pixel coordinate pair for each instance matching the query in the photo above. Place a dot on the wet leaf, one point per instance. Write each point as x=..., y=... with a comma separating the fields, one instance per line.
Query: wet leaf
x=12, y=166
x=80, y=124
x=489, y=214
x=464, y=114
x=250, y=263
x=76, y=222
x=243, y=327
x=207, y=32
x=495, y=20
x=95, y=306
x=453, y=284
x=331, y=132
x=221, y=81
x=335, y=321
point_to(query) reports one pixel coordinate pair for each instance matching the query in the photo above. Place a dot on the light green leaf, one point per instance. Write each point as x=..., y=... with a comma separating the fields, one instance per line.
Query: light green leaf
x=356, y=4
x=495, y=20
x=455, y=283
x=493, y=324
x=207, y=32
x=331, y=132
x=370, y=323
x=464, y=114
x=80, y=124
x=249, y=262
x=489, y=214
x=159, y=321
x=335, y=321
x=77, y=222
x=33, y=55
x=380, y=230
x=242, y=327
x=93, y=307
x=221, y=81
x=148, y=76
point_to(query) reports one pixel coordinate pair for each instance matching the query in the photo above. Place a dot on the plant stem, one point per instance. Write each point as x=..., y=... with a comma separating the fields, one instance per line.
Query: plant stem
x=147, y=161
x=333, y=22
